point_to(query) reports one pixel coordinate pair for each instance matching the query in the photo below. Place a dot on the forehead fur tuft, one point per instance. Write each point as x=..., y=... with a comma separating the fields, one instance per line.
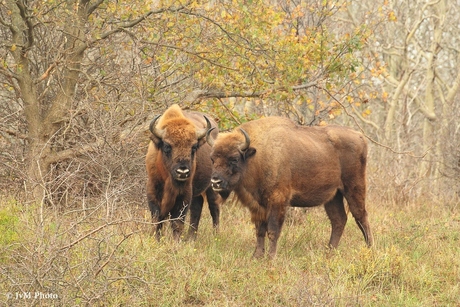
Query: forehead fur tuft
x=172, y=112
x=228, y=141
x=180, y=131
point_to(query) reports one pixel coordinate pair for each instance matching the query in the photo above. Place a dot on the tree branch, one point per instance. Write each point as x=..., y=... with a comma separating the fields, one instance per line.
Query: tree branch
x=363, y=119
x=196, y=54
x=9, y=74
x=222, y=94
x=135, y=22
x=46, y=74
x=305, y=85
x=93, y=7
x=13, y=133
x=204, y=94
x=27, y=20
x=72, y=152
x=409, y=153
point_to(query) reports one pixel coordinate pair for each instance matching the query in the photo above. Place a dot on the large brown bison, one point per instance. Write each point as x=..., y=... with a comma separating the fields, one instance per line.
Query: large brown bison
x=179, y=170
x=272, y=163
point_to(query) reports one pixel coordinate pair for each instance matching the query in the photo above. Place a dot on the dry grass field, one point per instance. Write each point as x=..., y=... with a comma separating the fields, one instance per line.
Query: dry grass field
x=97, y=257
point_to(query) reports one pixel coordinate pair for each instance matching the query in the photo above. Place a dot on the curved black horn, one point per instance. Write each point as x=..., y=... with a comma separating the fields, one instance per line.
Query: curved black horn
x=247, y=140
x=202, y=133
x=156, y=132
x=209, y=138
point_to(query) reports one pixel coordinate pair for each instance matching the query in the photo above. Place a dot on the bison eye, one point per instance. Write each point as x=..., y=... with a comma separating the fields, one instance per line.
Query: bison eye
x=194, y=148
x=167, y=148
x=233, y=161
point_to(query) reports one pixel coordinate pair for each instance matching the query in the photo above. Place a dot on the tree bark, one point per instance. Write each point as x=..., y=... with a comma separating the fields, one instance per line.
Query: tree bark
x=429, y=124
x=43, y=126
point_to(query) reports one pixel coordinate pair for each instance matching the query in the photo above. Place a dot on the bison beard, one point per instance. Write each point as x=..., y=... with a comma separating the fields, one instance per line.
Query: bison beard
x=179, y=170
x=272, y=163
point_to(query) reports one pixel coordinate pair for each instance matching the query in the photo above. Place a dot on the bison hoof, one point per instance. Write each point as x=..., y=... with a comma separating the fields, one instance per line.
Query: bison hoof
x=258, y=254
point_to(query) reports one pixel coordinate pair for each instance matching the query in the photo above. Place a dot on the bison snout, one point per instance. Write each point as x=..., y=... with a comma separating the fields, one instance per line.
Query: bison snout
x=182, y=173
x=217, y=184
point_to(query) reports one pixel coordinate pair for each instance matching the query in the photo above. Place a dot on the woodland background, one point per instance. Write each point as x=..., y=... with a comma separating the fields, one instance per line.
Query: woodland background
x=81, y=79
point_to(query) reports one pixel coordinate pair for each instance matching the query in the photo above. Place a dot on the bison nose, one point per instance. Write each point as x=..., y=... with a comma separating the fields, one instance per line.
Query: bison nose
x=182, y=173
x=216, y=184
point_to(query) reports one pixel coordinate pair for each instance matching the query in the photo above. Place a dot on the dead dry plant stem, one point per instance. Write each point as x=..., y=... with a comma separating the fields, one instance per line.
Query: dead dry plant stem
x=93, y=232
x=118, y=222
x=408, y=153
x=113, y=252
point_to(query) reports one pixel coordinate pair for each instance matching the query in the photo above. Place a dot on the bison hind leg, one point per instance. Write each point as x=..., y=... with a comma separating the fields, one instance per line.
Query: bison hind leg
x=365, y=229
x=356, y=203
x=335, y=210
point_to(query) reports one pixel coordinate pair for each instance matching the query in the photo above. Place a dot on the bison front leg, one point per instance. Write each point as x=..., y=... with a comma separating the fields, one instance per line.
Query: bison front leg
x=156, y=220
x=178, y=214
x=195, y=215
x=214, y=200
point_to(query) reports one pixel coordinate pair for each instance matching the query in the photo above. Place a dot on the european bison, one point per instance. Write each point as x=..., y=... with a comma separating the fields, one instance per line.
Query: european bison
x=179, y=170
x=272, y=163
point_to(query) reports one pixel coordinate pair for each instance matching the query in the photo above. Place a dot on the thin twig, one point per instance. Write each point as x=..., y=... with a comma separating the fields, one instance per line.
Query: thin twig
x=229, y=111
x=93, y=232
x=112, y=253
x=409, y=153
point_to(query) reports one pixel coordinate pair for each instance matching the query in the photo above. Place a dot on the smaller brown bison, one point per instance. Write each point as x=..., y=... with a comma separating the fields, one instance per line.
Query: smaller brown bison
x=179, y=170
x=272, y=163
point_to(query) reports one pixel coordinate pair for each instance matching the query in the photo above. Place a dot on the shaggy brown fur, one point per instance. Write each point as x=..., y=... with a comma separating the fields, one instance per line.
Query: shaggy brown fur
x=179, y=170
x=272, y=163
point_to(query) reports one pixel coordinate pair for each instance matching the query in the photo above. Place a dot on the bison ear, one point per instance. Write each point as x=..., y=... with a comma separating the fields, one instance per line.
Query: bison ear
x=249, y=152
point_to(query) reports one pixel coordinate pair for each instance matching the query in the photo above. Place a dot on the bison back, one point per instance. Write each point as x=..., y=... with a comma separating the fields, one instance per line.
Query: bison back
x=307, y=164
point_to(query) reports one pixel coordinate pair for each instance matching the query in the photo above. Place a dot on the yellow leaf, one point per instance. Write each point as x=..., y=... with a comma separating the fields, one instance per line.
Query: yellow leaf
x=366, y=112
x=392, y=16
x=385, y=96
x=13, y=47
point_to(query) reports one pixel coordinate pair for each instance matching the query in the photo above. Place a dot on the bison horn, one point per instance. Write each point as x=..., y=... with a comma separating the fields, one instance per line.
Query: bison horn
x=156, y=132
x=209, y=138
x=202, y=133
x=247, y=140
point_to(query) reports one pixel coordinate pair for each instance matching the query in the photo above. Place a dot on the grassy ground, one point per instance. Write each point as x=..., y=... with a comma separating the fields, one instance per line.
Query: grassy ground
x=52, y=258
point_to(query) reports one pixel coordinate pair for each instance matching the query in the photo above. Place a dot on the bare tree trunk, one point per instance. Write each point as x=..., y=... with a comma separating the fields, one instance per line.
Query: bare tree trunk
x=390, y=118
x=429, y=141
x=43, y=126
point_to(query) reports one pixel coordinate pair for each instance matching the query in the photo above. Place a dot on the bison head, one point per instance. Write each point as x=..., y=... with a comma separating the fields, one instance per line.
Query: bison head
x=229, y=155
x=178, y=140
